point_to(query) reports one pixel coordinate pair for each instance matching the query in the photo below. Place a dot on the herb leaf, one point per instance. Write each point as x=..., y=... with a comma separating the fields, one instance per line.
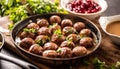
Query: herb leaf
x=98, y=64
x=58, y=32
x=58, y=51
x=40, y=42
x=17, y=11
x=29, y=30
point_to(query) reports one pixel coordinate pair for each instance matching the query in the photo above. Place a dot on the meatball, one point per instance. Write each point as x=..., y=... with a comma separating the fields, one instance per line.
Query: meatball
x=33, y=25
x=43, y=23
x=79, y=50
x=69, y=44
x=66, y=22
x=55, y=19
x=73, y=37
x=50, y=53
x=79, y=26
x=85, y=32
x=36, y=49
x=68, y=30
x=27, y=34
x=41, y=39
x=54, y=27
x=86, y=42
x=26, y=43
x=57, y=38
x=50, y=46
x=44, y=31
x=64, y=52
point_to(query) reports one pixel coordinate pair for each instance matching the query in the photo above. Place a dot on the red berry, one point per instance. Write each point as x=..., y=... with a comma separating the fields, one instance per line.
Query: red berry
x=84, y=6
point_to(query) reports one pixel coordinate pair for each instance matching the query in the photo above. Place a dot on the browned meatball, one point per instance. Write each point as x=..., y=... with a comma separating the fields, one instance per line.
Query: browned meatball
x=73, y=37
x=50, y=53
x=26, y=43
x=55, y=19
x=50, y=46
x=57, y=38
x=44, y=31
x=66, y=22
x=27, y=34
x=33, y=25
x=85, y=32
x=64, y=52
x=36, y=49
x=69, y=44
x=79, y=50
x=79, y=26
x=41, y=39
x=43, y=23
x=54, y=27
x=68, y=30
x=86, y=42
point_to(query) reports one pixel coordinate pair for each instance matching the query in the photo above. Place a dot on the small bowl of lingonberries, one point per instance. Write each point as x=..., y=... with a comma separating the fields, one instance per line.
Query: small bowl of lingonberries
x=86, y=8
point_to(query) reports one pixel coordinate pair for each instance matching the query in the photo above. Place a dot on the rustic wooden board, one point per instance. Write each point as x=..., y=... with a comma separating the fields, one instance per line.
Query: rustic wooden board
x=108, y=52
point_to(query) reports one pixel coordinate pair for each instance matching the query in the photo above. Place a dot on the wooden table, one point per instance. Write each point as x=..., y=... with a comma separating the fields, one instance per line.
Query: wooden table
x=107, y=52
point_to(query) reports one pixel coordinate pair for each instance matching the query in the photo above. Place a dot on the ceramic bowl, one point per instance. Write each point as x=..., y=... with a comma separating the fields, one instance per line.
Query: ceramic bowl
x=104, y=21
x=91, y=16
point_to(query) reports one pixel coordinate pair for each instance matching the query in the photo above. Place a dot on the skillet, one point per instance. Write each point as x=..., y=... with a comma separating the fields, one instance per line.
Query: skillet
x=54, y=61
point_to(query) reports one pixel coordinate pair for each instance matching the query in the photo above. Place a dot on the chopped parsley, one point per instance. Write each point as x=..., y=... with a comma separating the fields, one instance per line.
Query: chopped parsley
x=40, y=42
x=58, y=51
x=98, y=64
x=29, y=30
x=70, y=31
x=58, y=32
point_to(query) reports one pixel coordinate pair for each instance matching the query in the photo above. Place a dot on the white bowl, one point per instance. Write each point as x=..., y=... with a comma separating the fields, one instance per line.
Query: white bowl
x=90, y=16
x=104, y=21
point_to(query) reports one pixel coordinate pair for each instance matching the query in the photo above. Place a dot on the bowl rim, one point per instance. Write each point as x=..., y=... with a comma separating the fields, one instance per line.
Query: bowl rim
x=2, y=40
x=83, y=14
x=56, y=59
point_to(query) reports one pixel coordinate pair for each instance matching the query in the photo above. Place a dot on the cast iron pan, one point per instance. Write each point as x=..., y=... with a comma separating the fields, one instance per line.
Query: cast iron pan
x=23, y=64
x=53, y=61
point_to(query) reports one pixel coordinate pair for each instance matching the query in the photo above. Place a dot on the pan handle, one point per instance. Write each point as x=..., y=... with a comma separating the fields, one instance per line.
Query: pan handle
x=21, y=63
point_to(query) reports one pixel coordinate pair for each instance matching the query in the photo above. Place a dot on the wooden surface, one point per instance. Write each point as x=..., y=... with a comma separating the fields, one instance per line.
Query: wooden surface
x=108, y=52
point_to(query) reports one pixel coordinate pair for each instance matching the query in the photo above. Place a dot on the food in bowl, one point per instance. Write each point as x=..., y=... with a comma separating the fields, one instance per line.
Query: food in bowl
x=101, y=6
x=83, y=6
x=57, y=38
x=113, y=28
x=111, y=25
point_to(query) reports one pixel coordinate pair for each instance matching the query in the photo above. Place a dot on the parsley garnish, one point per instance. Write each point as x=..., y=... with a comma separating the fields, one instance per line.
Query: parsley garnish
x=58, y=50
x=29, y=30
x=40, y=42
